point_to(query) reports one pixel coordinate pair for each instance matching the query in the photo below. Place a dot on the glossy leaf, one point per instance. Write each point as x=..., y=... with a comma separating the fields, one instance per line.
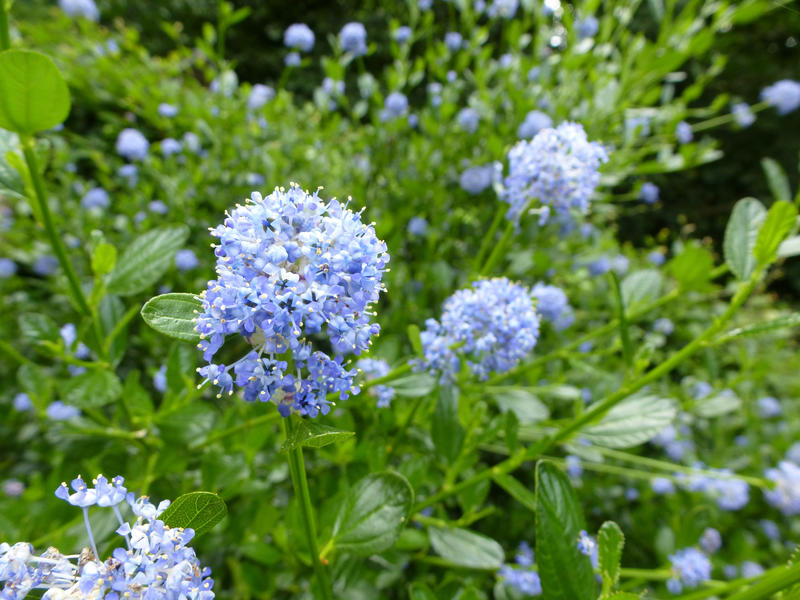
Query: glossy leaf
x=466, y=548
x=146, y=259
x=197, y=510
x=559, y=520
x=373, y=514
x=173, y=315
x=741, y=234
x=92, y=389
x=34, y=94
x=632, y=422
x=780, y=220
x=310, y=434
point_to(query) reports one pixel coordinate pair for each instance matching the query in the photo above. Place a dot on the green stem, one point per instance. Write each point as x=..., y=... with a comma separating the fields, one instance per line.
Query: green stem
x=487, y=239
x=5, y=40
x=726, y=118
x=599, y=409
x=771, y=582
x=55, y=240
x=649, y=574
x=300, y=483
x=498, y=250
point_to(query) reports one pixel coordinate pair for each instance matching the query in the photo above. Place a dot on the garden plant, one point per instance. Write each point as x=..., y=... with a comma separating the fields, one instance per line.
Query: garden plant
x=374, y=326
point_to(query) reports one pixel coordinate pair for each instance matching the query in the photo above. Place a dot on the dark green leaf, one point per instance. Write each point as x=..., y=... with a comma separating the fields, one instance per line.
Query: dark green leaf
x=188, y=424
x=311, y=434
x=446, y=430
x=38, y=327
x=610, y=541
x=559, y=520
x=777, y=180
x=741, y=234
x=93, y=389
x=466, y=548
x=146, y=259
x=33, y=92
x=173, y=315
x=373, y=513
x=512, y=432
x=196, y=510
x=624, y=333
x=780, y=220
x=633, y=421
x=136, y=399
x=420, y=591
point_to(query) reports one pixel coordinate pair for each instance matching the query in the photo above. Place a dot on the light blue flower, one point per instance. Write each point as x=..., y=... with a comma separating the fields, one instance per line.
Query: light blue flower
x=534, y=122
x=770, y=529
x=784, y=95
x=558, y=167
x=587, y=27
x=96, y=197
x=186, y=260
x=476, y=179
x=131, y=144
x=785, y=495
x=22, y=402
x=291, y=265
x=353, y=39
x=80, y=8
x=683, y=132
x=130, y=173
x=656, y=257
x=710, y=540
x=372, y=369
x=751, y=569
x=453, y=41
x=160, y=379
x=292, y=59
x=402, y=34
x=157, y=207
x=7, y=268
x=167, y=110
x=637, y=126
x=45, y=265
x=395, y=105
x=468, y=119
x=664, y=325
x=522, y=576
x=574, y=466
x=170, y=146
x=648, y=193
x=662, y=485
x=299, y=36
x=417, y=226
x=690, y=568
x=504, y=9
x=551, y=301
x=58, y=411
x=743, y=115
x=493, y=324
x=769, y=407
x=588, y=545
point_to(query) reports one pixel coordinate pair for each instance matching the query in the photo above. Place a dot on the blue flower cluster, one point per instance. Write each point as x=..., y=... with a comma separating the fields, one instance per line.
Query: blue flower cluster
x=290, y=265
x=494, y=325
x=588, y=545
x=533, y=123
x=730, y=492
x=372, y=369
x=710, y=540
x=155, y=562
x=743, y=115
x=558, y=167
x=522, y=576
x=299, y=36
x=353, y=39
x=553, y=305
x=785, y=496
x=690, y=568
x=474, y=180
x=784, y=95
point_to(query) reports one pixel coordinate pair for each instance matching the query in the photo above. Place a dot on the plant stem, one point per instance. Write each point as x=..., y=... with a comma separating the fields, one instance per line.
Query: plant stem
x=773, y=581
x=297, y=469
x=487, y=239
x=649, y=574
x=5, y=40
x=498, y=250
x=55, y=240
x=726, y=118
x=599, y=409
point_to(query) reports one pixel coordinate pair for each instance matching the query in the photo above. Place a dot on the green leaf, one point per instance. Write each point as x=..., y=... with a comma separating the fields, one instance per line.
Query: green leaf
x=310, y=434
x=446, y=430
x=38, y=327
x=610, y=541
x=789, y=247
x=741, y=234
x=692, y=268
x=416, y=341
x=516, y=490
x=717, y=404
x=633, y=421
x=173, y=315
x=146, y=259
x=188, y=424
x=33, y=94
x=104, y=258
x=466, y=548
x=196, y=510
x=780, y=220
x=624, y=333
x=373, y=513
x=136, y=399
x=784, y=322
x=559, y=520
x=640, y=288
x=414, y=386
x=93, y=389
x=777, y=180
x=520, y=401
x=420, y=591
